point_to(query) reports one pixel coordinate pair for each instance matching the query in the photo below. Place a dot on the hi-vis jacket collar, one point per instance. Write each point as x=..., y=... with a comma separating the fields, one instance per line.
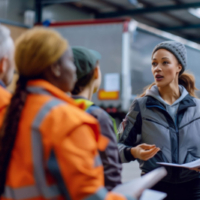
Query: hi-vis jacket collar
x=45, y=88
x=42, y=86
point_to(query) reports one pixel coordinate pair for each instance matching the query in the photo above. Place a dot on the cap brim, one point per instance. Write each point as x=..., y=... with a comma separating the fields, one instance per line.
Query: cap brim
x=96, y=54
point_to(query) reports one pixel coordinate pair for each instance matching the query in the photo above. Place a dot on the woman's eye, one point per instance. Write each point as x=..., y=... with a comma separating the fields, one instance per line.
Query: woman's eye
x=165, y=62
x=154, y=63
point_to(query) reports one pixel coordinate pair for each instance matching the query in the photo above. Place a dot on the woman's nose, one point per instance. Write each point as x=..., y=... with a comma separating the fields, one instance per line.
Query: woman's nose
x=158, y=68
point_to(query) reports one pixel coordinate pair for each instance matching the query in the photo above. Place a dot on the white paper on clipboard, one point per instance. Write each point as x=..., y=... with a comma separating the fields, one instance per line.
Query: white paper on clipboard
x=142, y=183
x=152, y=195
x=112, y=82
x=190, y=165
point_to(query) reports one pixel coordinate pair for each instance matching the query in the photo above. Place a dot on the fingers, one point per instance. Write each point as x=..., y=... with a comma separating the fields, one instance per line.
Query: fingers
x=151, y=155
x=147, y=146
x=148, y=152
x=146, y=155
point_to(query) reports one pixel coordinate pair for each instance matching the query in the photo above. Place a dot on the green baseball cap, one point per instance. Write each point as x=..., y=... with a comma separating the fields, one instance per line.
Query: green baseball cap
x=85, y=60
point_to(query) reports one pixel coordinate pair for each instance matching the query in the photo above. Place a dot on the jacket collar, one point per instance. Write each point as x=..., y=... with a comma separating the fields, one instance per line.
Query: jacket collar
x=153, y=102
x=184, y=104
x=52, y=90
x=79, y=97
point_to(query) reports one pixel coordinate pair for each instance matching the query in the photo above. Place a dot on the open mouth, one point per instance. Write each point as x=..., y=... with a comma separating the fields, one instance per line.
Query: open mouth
x=159, y=77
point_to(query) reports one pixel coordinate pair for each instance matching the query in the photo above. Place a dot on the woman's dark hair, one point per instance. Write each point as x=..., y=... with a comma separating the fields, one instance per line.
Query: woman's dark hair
x=10, y=127
x=82, y=83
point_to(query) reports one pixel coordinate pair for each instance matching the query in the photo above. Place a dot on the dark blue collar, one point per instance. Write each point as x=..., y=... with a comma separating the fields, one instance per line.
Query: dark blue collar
x=184, y=104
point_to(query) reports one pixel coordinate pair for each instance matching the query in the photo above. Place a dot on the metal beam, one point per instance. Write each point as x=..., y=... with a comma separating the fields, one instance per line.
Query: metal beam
x=38, y=11
x=140, y=11
x=111, y=4
x=147, y=4
x=141, y=18
x=49, y=2
x=82, y=8
x=183, y=22
x=12, y=23
x=175, y=28
x=178, y=1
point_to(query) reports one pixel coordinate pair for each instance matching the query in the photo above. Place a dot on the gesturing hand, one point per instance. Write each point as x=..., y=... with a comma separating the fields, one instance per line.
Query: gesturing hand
x=144, y=151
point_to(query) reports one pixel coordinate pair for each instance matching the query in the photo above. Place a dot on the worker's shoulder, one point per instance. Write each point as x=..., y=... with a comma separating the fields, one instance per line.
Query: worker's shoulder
x=101, y=115
x=72, y=114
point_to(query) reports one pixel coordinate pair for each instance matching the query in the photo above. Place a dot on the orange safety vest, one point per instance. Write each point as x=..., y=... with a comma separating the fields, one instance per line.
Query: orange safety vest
x=4, y=102
x=55, y=155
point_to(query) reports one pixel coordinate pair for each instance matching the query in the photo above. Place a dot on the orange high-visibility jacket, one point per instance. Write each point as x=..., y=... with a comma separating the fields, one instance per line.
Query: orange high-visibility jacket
x=4, y=102
x=55, y=155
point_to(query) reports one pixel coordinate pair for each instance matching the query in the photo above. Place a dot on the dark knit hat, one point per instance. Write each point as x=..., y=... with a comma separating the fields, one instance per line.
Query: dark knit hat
x=85, y=60
x=178, y=49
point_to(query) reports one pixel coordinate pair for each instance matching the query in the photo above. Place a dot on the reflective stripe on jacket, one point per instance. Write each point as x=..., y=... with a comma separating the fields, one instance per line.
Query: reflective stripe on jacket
x=50, y=160
x=110, y=156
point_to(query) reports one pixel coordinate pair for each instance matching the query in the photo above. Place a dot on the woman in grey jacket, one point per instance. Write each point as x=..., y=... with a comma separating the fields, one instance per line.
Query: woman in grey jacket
x=163, y=125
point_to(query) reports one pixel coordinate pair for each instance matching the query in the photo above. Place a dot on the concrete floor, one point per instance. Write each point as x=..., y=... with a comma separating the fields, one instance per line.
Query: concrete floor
x=130, y=171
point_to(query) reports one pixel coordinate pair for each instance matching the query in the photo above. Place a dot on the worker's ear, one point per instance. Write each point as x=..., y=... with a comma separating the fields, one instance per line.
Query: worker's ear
x=96, y=73
x=56, y=70
x=3, y=65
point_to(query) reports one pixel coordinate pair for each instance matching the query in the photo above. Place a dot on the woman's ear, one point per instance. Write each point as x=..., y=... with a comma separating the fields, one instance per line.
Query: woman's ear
x=179, y=68
x=56, y=70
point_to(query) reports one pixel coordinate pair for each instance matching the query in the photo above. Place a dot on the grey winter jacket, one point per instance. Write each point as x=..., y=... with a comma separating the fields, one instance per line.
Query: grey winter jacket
x=148, y=121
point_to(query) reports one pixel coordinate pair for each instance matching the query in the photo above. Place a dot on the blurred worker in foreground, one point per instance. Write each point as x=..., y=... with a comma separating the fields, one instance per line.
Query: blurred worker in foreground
x=6, y=68
x=49, y=147
x=89, y=81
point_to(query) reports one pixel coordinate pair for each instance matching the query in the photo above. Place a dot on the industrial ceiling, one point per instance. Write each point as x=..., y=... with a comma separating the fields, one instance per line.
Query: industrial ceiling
x=180, y=17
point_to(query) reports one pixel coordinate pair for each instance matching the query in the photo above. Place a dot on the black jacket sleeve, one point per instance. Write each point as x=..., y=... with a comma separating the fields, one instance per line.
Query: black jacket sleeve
x=130, y=132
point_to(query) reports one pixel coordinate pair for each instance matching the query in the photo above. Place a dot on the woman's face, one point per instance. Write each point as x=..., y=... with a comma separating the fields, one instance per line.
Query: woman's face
x=165, y=68
x=97, y=81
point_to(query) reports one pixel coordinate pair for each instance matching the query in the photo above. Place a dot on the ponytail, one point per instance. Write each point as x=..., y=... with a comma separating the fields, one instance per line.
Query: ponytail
x=9, y=128
x=147, y=88
x=187, y=80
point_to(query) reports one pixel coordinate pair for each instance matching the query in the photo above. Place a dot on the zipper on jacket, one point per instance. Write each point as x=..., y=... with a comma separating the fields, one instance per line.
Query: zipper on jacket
x=177, y=133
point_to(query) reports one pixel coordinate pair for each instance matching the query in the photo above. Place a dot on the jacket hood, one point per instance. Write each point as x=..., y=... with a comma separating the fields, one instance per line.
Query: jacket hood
x=153, y=92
